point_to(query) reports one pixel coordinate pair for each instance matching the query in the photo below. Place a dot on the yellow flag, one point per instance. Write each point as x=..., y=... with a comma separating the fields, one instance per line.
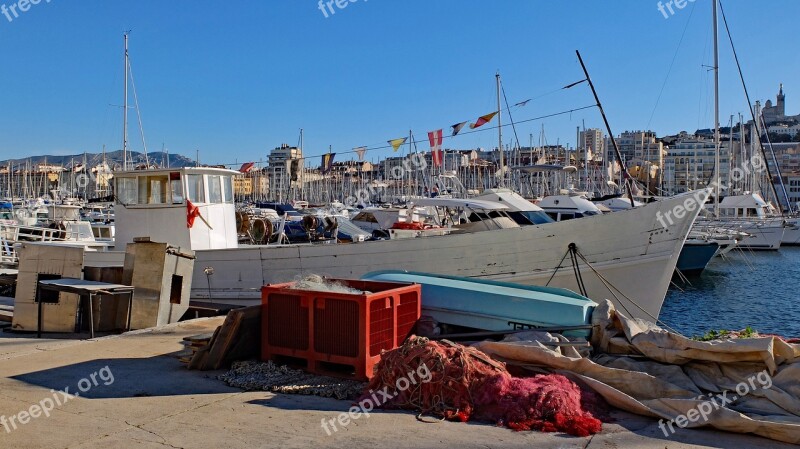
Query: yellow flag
x=395, y=143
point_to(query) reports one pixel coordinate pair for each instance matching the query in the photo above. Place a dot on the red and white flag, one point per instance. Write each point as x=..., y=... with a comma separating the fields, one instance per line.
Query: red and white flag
x=435, y=138
x=192, y=212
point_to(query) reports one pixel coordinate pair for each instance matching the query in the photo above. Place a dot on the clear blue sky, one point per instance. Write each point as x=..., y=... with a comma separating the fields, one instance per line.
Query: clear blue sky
x=235, y=79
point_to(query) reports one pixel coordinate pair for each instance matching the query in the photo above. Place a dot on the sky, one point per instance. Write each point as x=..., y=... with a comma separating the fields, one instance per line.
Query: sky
x=232, y=80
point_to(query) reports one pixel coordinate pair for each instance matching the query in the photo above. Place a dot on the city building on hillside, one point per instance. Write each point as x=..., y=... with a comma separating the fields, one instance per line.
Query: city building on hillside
x=285, y=169
x=594, y=140
x=690, y=163
x=637, y=147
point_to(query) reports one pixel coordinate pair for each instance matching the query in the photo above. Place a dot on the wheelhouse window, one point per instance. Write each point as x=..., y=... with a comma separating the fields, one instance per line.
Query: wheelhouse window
x=195, y=188
x=176, y=187
x=126, y=190
x=153, y=189
x=228, y=189
x=214, y=189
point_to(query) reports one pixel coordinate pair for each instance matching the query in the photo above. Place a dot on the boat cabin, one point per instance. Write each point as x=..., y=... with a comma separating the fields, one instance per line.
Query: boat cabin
x=568, y=207
x=751, y=206
x=156, y=203
x=519, y=209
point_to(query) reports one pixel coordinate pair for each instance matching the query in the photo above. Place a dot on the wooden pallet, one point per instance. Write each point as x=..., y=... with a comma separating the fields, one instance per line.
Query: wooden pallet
x=238, y=338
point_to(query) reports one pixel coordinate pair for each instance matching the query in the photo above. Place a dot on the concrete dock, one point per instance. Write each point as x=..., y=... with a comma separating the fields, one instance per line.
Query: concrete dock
x=132, y=393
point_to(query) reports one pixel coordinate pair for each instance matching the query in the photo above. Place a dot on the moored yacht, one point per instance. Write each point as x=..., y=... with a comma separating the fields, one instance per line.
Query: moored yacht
x=749, y=214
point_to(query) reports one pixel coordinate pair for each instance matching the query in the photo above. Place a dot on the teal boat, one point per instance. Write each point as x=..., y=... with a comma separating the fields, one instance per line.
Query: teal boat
x=494, y=306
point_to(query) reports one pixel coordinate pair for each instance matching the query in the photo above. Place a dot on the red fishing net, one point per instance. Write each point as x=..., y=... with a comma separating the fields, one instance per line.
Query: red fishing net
x=461, y=383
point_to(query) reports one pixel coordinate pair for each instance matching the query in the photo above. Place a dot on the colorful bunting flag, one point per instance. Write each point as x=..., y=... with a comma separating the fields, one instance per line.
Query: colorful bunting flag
x=327, y=162
x=360, y=151
x=483, y=120
x=395, y=143
x=435, y=138
x=457, y=127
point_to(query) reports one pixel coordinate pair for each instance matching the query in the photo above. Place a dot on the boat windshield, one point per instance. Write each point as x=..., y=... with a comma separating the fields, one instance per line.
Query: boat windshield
x=536, y=217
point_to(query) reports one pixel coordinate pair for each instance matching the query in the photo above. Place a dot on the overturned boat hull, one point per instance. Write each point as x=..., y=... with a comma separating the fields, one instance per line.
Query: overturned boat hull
x=492, y=305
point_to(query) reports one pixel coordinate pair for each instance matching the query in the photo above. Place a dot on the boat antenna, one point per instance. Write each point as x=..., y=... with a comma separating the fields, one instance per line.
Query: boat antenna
x=125, y=108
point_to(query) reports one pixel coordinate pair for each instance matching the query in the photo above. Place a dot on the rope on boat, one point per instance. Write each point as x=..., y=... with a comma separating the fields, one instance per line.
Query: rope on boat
x=611, y=289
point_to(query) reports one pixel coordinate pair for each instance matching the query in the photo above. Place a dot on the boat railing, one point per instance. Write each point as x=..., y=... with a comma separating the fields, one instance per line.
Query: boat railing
x=12, y=234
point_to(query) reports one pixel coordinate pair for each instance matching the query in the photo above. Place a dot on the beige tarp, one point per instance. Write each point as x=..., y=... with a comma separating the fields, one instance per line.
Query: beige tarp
x=643, y=369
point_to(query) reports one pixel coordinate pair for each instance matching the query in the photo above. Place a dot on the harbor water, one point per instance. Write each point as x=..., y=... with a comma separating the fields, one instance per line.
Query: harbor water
x=756, y=289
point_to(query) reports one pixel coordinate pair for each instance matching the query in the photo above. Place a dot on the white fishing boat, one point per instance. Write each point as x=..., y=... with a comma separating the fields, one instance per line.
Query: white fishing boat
x=627, y=257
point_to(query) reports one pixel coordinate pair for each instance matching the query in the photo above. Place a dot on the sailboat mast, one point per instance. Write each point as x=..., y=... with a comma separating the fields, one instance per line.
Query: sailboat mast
x=716, y=113
x=125, y=111
x=623, y=166
x=500, y=133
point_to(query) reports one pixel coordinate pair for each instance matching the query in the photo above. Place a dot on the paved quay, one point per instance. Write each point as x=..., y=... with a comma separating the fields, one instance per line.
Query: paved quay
x=133, y=393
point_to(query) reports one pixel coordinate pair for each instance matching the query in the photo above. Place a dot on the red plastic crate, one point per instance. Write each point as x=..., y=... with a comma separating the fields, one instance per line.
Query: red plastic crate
x=338, y=333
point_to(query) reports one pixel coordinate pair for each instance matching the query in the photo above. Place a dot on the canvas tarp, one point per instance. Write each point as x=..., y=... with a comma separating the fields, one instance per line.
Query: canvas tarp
x=643, y=369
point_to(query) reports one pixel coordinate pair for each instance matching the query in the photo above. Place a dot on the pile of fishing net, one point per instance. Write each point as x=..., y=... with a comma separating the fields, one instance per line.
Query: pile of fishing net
x=456, y=382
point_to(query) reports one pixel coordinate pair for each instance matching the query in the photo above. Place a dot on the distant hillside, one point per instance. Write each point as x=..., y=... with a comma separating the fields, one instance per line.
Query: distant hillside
x=114, y=159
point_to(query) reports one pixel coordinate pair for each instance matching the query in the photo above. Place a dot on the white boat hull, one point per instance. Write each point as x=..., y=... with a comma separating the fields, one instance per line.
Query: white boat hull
x=630, y=250
x=791, y=235
x=766, y=234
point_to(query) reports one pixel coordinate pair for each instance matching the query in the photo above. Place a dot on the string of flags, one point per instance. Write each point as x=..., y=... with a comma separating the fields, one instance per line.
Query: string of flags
x=436, y=137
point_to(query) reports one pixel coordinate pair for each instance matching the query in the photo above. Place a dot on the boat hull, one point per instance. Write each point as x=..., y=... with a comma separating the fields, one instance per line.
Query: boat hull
x=631, y=256
x=695, y=257
x=491, y=305
x=764, y=234
x=791, y=235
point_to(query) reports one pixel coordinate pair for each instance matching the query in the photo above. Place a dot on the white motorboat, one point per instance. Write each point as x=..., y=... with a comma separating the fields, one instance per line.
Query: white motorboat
x=749, y=214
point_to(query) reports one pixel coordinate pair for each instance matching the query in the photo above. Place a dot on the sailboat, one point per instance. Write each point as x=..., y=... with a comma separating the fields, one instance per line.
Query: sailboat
x=747, y=213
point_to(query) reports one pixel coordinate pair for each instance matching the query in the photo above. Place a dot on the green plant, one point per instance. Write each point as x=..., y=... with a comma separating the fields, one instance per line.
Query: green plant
x=712, y=335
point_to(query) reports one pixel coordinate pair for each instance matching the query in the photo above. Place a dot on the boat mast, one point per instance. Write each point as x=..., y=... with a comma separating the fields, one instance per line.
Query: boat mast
x=500, y=133
x=716, y=113
x=623, y=166
x=125, y=110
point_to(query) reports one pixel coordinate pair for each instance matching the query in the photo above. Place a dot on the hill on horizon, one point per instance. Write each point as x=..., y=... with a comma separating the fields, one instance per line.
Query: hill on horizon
x=113, y=158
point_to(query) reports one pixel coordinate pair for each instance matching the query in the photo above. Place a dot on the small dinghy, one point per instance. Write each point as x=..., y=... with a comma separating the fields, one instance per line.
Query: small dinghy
x=494, y=306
